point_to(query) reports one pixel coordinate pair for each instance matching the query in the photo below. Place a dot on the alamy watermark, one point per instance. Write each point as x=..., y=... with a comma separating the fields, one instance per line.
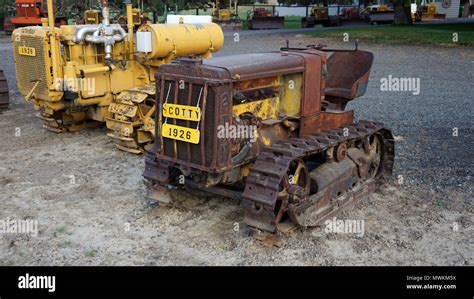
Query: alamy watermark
x=339, y=226
x=391, y=83
x=76, y=85
x=19, y=226
x=28, y=281
x=228, y=131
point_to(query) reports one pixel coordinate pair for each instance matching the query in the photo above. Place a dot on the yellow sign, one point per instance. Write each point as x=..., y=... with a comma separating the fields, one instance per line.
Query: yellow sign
x=180, y=133
x=182, y=112
x=27, y=51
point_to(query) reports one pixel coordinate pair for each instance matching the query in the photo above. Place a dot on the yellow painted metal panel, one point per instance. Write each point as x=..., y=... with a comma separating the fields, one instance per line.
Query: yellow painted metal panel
x=183, y=39
x=263, y=109
x=180, y=133
x=182, y=112
x=290, y=102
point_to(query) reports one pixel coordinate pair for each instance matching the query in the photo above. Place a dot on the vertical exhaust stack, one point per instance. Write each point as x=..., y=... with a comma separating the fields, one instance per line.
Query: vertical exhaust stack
x=107, y=31
x=130, y=25
x=105, y=13
x=54, y=43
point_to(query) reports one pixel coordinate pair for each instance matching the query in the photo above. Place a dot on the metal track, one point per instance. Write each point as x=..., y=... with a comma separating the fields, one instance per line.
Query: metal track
x=131, y=122
x=62, y=122
x=263, y=183
x=4, y=95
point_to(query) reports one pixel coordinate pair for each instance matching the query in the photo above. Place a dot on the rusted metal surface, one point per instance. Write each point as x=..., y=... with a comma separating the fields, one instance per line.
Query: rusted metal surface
x=4, y=94
x=262, y=18
x=313, y=79
x=230, y=26
x=273, y=22
x=257, y=65
x=219, y=74
x=306, y=167
x=325, y=120
x=256, y=83
x=215, y=102
x=269, y=170
x=348, y=75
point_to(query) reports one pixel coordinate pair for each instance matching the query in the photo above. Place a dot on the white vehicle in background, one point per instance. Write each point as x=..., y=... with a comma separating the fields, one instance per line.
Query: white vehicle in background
x=188, y=19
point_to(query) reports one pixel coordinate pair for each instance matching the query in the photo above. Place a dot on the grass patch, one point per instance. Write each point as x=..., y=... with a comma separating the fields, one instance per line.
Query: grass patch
x=292, y=22
x=420, y=34
x=66, y=244
x=61, y=230
x=90, y=253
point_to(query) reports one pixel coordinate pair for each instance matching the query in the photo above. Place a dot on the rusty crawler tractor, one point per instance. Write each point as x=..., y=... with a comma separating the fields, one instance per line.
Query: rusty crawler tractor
x=4, y=94
x=78, y=76
x=308, y=159
x=262, y=18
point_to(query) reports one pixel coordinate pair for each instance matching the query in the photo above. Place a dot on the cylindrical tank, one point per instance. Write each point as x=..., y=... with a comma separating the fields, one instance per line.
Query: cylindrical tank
x=183, y=39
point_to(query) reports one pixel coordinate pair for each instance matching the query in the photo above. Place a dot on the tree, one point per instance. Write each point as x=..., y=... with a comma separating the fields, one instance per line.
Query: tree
x=402, y=12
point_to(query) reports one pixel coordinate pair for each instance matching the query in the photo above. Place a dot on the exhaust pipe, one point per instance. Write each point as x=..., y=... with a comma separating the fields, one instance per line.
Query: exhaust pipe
x=105, y=13
x=104, y=33
x=54, y=42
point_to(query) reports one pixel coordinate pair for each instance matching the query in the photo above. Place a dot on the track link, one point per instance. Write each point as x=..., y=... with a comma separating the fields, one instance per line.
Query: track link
x=260, y=195
x=131, y=122
x=70, y=121
x=4, y=94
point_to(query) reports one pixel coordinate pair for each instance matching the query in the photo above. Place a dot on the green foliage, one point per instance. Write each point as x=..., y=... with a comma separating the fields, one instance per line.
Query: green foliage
x=311, y=2
x=7, y=7
x=420, y=34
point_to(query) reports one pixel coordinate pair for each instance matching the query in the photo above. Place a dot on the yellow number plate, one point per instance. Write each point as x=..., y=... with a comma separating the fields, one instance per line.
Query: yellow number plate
x=180, y=133
x=182, y=112
x=27, y=51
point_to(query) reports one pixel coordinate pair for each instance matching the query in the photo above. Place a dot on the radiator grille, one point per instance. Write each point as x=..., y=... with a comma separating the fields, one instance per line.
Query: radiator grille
x=202, y=153
x=30, y=69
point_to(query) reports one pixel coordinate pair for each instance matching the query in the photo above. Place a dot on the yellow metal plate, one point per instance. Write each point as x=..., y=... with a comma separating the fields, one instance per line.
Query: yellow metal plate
x=122, y=127
x=129, y=96
x=122, y=109
x=27, y=51
x=182, y=112
x=180, y=133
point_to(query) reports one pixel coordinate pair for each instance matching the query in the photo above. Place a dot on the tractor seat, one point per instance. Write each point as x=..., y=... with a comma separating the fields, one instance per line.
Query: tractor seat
x=348, y=75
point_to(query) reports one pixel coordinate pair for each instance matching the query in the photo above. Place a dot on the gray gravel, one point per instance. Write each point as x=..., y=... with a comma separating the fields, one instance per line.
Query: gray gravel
x=406, y=224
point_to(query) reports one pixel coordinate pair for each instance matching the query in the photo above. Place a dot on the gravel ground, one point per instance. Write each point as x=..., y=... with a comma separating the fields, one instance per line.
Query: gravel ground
x=89, y=200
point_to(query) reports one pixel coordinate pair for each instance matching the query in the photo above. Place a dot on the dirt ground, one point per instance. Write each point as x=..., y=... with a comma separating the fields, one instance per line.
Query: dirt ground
x=91, y=208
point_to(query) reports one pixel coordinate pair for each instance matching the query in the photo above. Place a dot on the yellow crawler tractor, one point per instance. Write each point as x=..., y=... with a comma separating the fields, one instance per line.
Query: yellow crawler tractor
x=92, y=17
x=226, y=15
x=319, y=15
x=78, y=76
x=427, y=12
x=378, y=14
x=269, y=129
